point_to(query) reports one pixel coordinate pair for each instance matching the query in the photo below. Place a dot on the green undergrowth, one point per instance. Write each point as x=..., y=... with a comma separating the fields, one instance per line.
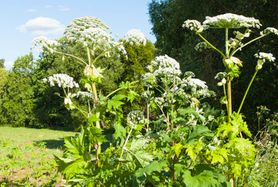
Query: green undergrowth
x=27, y=156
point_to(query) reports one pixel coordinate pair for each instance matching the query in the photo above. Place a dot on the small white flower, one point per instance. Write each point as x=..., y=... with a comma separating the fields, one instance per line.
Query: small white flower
x=89, y=30
x=262, y=58
x=122, y=50
x=197, y=82
x=135, y=37
x=265, y=56
x=42, y=43
x=68, y=102
x=230, y=20
x=165, y=65
x=269, y=30
x=84, y=94
x=61, y=80
x=193, y=25
x=233, y=60
x=222, y=82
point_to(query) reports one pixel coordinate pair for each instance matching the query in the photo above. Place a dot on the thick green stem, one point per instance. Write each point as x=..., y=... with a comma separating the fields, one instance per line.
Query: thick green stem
x=96, y=100
x=229, y=80
x=227, y=42
x=212, y=46
x=246, y=92
x=225, y=95
x=93, y=85
x=229, y=94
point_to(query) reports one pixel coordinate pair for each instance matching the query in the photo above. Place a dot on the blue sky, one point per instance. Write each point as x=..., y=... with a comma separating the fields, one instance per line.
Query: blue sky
x=22, y=20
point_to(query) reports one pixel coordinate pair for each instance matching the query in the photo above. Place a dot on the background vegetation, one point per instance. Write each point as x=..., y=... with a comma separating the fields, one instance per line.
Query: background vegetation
x=167, y=18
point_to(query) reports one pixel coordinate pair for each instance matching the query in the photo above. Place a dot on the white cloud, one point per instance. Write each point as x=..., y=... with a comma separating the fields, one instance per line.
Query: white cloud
x=42, y=26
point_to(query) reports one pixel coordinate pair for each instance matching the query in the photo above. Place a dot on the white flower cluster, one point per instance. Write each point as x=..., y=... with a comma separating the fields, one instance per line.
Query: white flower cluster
x=90, y=31
x=265, y=56
x=222, y=77
x=164, y=65
x=262, y=58
x=42, y=42
x=135, y=37
x=193, y=25
x=84, y=94
x=135, y=117
x=87, y=30
x=230, y=20
x=62, y=80
x=197, y=83
x=68, y=102
x=269, y=30
x=122, y=50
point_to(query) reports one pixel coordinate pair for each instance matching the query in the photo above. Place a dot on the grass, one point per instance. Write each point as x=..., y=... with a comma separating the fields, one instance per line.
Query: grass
x=27, y=156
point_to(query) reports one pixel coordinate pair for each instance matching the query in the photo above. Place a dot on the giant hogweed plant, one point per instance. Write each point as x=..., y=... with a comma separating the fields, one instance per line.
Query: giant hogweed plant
x=171, y=140
x=146, y=146
x=237, y=31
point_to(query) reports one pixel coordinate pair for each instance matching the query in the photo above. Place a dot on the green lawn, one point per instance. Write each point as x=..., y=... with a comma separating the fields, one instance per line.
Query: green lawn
x=26, y=156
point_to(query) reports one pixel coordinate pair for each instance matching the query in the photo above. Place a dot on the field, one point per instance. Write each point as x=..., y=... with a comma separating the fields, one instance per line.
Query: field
x=26, y=156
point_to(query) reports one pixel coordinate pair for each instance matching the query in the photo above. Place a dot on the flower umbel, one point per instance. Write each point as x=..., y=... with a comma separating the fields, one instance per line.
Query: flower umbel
x=165, y=65
x=42, y=42
x=230, y=20
x=61, y=80
x=135, y=37
x=193, y=25
x=265, y=56
x=88, y=30
x=262, y=58
x=269, y=30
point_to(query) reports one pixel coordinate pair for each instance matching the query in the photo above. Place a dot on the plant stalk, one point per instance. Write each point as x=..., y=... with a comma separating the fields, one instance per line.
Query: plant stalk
x=246, y=92
x=96, y=100
x=229, y=94
x=229, y=79
x=212, y=46
x=124, y=146
x=251, y=41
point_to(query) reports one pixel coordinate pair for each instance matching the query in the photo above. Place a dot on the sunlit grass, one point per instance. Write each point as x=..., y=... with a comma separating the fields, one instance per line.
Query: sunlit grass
x=26, y=156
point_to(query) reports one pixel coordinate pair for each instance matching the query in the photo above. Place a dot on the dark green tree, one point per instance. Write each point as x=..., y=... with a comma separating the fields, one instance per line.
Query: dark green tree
x=138, y=58
x=17, y=96
x=2, y=63
x=3, y=78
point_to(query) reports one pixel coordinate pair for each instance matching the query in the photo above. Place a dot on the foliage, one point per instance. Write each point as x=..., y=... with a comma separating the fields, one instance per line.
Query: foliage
x=3, y=79
x=2, y=63
x=264, y=172
x=167, y=17
x=138, y=58
x=234, y=125
x=174, y=138
x=17, y=97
